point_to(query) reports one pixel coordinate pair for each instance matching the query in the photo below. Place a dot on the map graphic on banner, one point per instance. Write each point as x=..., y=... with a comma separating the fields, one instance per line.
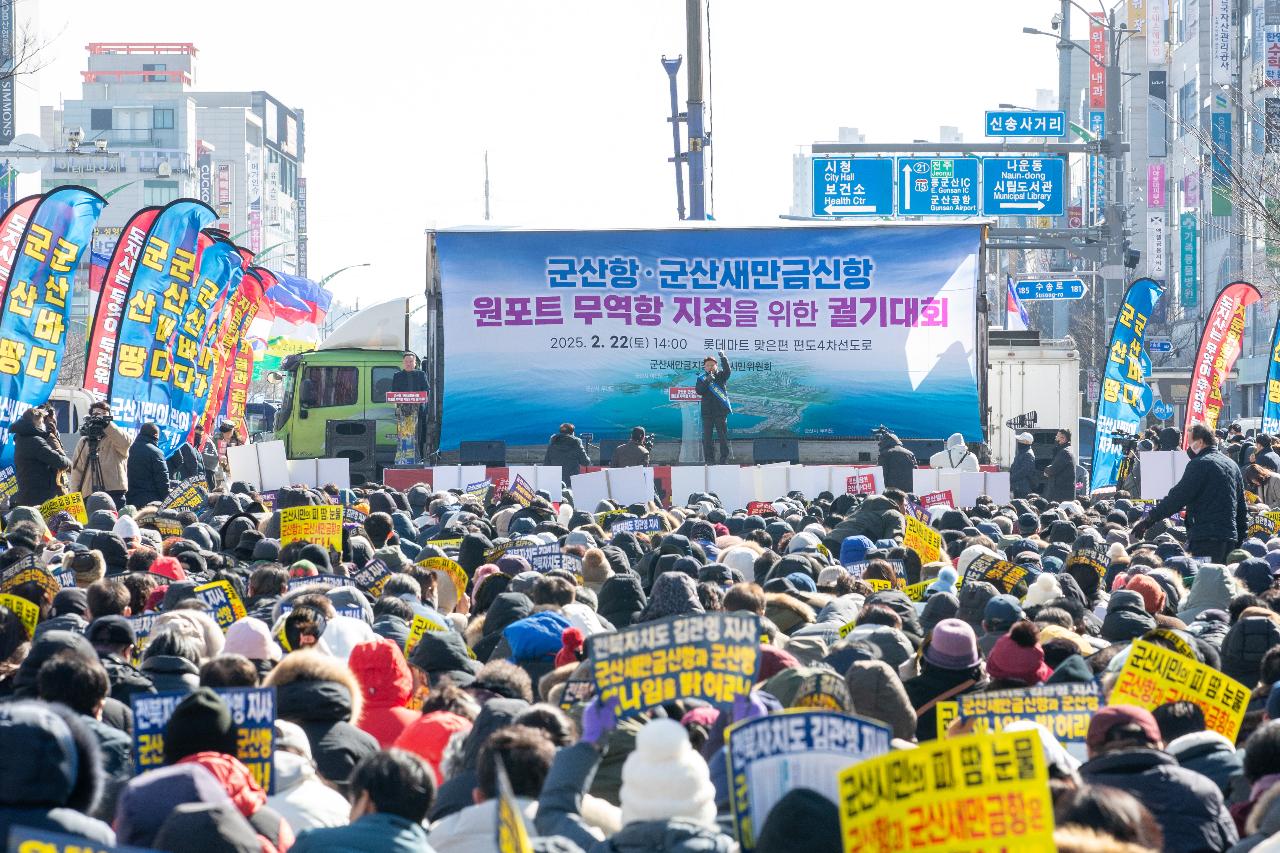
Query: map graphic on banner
x=828, y=330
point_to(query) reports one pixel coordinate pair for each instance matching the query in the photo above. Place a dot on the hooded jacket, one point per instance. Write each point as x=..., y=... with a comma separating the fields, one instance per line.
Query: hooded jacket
x=247, y=796
x=387, y=686
x=507, y=608
x=428, y=736
x=955, y=457
x=1126, y=617
x=301, y=798
x=455, y=794
x=877, y=518
x=1209, y=754
x=444, y=654
x=36, y=464
x=898, y=463
x=1187, y=806
x=321, y=696
x=471, y=830
x=148, y=473
x=1211, y=591
x=621, y=600
x=170, y=673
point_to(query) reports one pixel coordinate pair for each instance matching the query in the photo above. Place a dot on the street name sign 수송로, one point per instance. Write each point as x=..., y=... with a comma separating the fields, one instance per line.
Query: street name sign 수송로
x=853, y=186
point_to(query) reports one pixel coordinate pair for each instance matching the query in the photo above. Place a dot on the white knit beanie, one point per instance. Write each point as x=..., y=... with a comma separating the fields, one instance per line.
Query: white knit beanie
x=664, y=778
x=1044, y=589
x=1116, y=551
x=742, y=559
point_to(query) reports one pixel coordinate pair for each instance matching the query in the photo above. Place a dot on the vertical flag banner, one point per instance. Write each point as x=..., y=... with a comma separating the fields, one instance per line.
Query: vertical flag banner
x=1271, y=401
x=12, y=227
x=238, y=389
x=1219, y=347
x=115, y=289
x=162, y=283
x=242, y=308
x=1125, y=397
x=217, y=263
x=1097, y=68
x=215, y=321
x=1015, y=318
x=37, y=304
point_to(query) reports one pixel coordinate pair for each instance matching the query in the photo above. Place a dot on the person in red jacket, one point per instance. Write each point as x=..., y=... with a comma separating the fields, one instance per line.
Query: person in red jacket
x=387, y=686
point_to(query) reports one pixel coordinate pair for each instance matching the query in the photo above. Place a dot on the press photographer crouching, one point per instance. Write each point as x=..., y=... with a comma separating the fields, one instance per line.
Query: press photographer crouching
x=634, y=452
x=98, y=463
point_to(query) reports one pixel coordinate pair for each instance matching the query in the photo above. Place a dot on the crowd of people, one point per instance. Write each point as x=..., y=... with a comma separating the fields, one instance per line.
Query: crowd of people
x=376, y=749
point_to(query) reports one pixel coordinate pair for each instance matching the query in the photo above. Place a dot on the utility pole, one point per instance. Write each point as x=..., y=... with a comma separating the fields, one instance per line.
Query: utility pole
x=1061, y=317
x=672, y=67
x=486, y=185
x=697, y=129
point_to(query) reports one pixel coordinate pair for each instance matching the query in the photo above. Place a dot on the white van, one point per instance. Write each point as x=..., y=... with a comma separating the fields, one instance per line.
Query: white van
x=71, y=405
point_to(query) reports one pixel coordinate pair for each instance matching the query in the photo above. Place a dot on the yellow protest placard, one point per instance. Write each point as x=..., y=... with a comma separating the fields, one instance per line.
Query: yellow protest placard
x=447, y=594
x=877, y=584
x=965, y=794
x=72, y=504
x=27, y=613
x=1154, y=675
x=1063, y=709
x=420, y=626
x=319, y=524
x=923, y=539
x=222, y=600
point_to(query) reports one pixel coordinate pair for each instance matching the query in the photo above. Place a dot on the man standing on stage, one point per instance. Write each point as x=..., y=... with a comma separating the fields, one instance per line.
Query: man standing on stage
x=410, y=420
x=715, y=405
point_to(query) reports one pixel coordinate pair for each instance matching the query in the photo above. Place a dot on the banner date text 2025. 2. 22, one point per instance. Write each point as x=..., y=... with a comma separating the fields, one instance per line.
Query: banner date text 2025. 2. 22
x=618, y=342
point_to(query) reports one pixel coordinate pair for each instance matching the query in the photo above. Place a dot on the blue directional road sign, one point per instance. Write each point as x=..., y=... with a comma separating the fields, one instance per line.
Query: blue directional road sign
x=1049, y=288
x=937, y=186
x=852, y=186
x=1026, y=123
x=1162, y=410
x=1160, y=345
x=1022, y=186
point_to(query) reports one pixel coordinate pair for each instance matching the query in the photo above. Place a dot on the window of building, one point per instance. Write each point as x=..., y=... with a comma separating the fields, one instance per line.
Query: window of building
x=1188, y=109
x=382, y=382
x=100, y=119
x=159, y=192
x=154, y=66
x=330, y=386
x=162, y=119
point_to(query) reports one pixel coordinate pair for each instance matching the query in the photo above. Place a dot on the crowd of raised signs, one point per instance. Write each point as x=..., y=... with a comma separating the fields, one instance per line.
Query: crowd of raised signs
x=368, y=669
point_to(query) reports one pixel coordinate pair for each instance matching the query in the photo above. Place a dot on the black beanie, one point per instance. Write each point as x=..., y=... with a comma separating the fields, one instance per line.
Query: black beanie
x=316, y=554
x=200, y=723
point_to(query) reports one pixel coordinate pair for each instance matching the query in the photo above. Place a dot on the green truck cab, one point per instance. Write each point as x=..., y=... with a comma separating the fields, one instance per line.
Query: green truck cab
x=336, y=385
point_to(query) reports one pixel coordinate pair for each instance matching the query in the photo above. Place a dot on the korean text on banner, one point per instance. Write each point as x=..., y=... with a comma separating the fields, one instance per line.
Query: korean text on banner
x=37, y=302
x=420, y=626
x=860, y=484
x=162, y=282
x=222, y=600
x=964, y=794
x=1271, y=399
x=1219, y=347
x=709, y=656
x=72, y=504
x=319, y=524
x=28, y=614
x=1063, y=709
x=522, y=491
x=253, y=711
x=1154, y=675
x=1124, y=397
x=770, y=755
x=189, y=494
x=858, y=318
x=26, y=839
x=451, y=581
x=1001, y=574
x=933, y=499
x=923, y=539
x=372, y=577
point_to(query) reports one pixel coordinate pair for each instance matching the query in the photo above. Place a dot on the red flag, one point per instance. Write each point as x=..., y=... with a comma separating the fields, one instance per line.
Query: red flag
x=1219, y=347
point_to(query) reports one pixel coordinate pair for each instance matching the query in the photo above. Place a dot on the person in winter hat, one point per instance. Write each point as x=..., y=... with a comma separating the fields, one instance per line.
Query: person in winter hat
x=1000, y=614
x=301, y=797
x=950, y=666
x=252, y=638
x=1044, y=589
x=802, y=820
x=1153, y=597
x=876, y=692
x=1127, y=617
x=1017, y=658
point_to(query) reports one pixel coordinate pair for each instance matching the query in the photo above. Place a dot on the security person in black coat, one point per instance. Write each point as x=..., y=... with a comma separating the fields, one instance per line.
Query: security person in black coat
x=1212, y=492
x=565, y=450
x=1061, y=473
x=899, y=464
x=148, y=473
x=36, y=462
x=1023, y=475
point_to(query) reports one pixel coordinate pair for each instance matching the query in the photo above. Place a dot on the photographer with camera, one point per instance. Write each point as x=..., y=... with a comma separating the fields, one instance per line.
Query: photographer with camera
x=98, y=463
x=634, y=452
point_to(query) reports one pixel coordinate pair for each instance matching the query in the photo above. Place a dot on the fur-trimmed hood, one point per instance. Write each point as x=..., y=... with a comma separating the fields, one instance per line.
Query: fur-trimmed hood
x=787, y=612
x=309, y=666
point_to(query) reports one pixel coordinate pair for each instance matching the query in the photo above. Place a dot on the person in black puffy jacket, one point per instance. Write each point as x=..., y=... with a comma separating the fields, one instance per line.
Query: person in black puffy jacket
x=1212, y=493
x=1023, y=476
x=148, y=473
x=36, y=461
x=899, y=464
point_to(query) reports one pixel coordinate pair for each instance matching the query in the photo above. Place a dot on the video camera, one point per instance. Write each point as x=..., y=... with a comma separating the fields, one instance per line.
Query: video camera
x=95, y=427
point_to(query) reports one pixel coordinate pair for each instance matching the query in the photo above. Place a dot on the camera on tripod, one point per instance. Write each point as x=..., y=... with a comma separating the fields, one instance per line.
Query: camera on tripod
x=95, y=427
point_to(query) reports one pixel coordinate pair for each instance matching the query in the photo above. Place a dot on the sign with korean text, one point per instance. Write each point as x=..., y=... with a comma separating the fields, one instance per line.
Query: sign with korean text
x=1154, y=675
x=852, y=186
x=1049, y=288
x=923, y=539
x=1063, y=709
x=522, y=491
x=253, y=711
x=1220, y=42
x=761, y=508
x=420, y=625
x=1156, y=246
x=407, y=396
x=1001, y=574
x=1023, y=186
x=319, y=524
x=855, y=316
x=1271, y=399
x=191, y=493
x=770, y=755
x=1093, y=556
x=967, y=794
x=708, y=656
x=372, y=576
x=1025, y=123
x=28, y=614
x=937, y=186
x=860, y=484
x=451, y=581
x=1189, y=261
x=638, y=525
x=932, y=499
x=1099, y=61
x=1097, y=170
x=1156, y=186
x=72, y=504
x=223, y=601
x=1220, y=345
x=25, y=839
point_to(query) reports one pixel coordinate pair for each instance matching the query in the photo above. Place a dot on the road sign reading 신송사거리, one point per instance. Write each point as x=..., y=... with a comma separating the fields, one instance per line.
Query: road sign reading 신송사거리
x=1049, y=288
x=937, y=186
x=1025, y=123
x=852, y=186
x=1022, y=186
